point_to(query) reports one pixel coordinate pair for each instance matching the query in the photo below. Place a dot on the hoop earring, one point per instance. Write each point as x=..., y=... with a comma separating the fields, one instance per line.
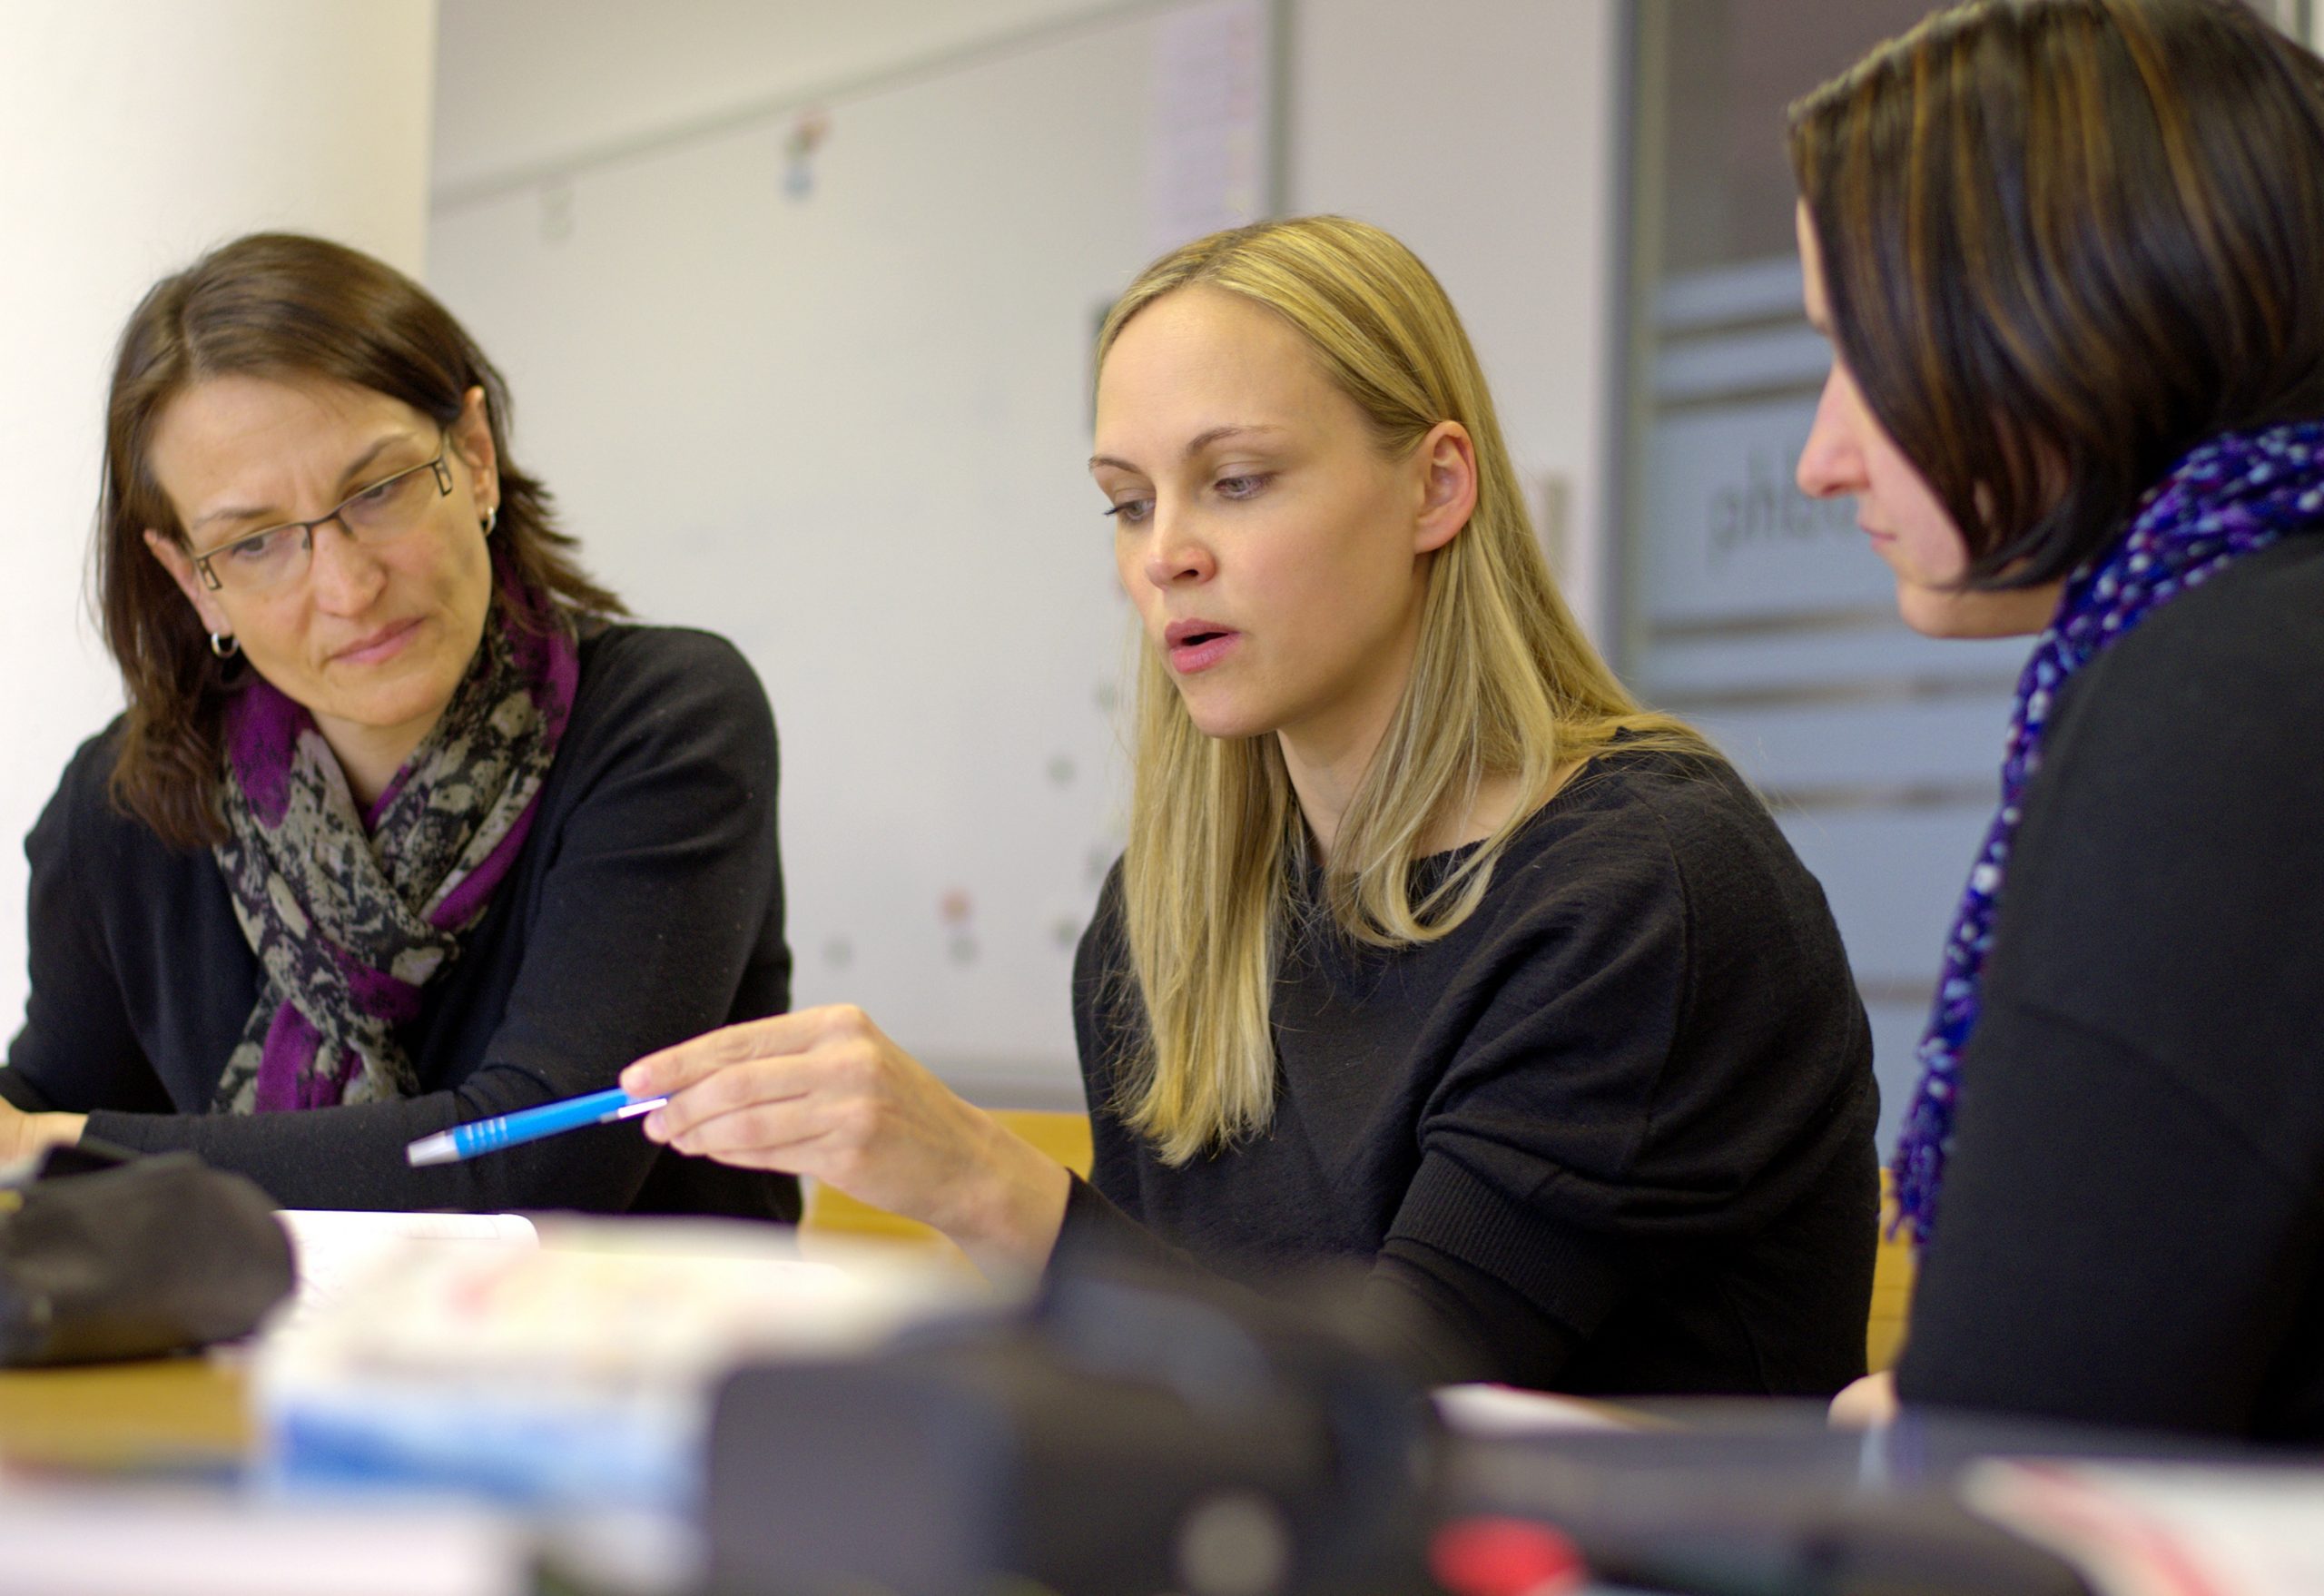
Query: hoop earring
x=225, y=645
x=491, y=518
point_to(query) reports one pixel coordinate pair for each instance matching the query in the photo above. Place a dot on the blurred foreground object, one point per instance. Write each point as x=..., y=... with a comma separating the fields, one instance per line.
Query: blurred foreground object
x=1127, y=1435
x=1751, y=1498
x=77, y=1539
x=2135, y=1528
x=105, y=1255
x=573, y=1374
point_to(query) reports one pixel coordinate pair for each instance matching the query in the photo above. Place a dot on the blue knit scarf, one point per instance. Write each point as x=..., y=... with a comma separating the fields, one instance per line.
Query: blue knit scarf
x=2230, y=497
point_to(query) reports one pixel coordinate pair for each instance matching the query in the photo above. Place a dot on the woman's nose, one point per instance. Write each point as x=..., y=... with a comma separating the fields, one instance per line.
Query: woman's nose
x=342, y=574
x=1829, y=461
x=1178, y=556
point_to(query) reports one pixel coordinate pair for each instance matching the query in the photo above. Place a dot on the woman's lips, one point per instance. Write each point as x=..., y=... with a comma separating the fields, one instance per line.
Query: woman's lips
x=1196, y=646
x=1189, y=657
x=382, y=645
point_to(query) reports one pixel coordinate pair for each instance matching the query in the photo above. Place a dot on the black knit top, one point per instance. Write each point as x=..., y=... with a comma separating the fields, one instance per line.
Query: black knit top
x=1611, y=1135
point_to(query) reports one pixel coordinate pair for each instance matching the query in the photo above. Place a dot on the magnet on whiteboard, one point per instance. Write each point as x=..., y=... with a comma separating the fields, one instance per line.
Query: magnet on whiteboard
x=807, y=135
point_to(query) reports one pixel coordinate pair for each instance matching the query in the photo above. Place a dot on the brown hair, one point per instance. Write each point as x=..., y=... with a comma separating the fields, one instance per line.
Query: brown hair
x=272, y=304
x=2063, y=243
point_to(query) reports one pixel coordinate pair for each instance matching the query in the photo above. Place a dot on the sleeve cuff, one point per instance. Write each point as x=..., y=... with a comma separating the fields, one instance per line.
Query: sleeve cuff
x=134, y=1131
x=19, y=1093
x=1096, y=1230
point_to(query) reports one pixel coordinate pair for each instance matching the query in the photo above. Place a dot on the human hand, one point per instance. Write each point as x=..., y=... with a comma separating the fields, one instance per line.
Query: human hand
x=1867, y=1404
x=27, y=1136
x=823, y=1093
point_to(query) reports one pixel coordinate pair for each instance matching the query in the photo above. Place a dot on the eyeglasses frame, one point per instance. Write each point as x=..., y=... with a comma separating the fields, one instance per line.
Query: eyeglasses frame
x=441, y=465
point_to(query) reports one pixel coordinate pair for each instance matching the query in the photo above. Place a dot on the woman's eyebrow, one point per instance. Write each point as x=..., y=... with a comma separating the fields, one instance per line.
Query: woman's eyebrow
x=1199, y=442
x=364, y=461
x=354, y=469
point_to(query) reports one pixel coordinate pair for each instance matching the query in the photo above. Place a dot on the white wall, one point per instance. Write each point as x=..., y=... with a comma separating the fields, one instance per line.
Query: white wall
x=1482, y=132
x=134, y=133
x=527, y=84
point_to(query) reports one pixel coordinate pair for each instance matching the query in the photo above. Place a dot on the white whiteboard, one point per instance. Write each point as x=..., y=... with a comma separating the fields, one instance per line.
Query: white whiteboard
x=835, y=406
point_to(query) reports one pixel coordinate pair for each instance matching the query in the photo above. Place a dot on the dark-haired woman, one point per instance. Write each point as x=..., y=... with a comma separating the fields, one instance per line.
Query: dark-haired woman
x=2067, y=254
x=401, y=827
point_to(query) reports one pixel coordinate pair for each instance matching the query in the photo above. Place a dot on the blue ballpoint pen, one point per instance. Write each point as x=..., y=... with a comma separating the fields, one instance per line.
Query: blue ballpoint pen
x=506, y=1131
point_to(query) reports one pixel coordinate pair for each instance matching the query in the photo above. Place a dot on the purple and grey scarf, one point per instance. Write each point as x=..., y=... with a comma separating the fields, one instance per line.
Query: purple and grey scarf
x=2230, y=497
x=351, y=916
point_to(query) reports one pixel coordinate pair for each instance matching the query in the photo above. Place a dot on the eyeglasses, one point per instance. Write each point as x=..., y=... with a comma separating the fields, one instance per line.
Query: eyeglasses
x=277, y=556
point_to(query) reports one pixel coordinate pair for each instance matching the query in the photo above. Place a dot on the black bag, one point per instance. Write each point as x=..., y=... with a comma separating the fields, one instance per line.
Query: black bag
x=105, y=1254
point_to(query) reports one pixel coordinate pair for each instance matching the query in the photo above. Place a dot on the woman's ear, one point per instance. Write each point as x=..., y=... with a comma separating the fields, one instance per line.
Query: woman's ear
x=472, y=441
x=1448, y=460
x=180, y=564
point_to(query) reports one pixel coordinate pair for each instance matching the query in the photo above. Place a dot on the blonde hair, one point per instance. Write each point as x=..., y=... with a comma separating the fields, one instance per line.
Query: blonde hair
x=1504, y=684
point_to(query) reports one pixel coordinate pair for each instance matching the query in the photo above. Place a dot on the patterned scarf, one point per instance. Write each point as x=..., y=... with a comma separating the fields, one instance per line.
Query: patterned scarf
x=2230, y=497
x=350, y=917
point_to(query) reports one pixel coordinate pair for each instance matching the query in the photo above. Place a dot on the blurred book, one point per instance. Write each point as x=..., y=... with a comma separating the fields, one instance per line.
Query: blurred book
x=573, y=1372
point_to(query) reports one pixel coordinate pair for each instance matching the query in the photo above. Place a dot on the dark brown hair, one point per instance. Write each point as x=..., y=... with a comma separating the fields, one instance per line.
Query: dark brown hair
x=272, y=304
x=2064, y=241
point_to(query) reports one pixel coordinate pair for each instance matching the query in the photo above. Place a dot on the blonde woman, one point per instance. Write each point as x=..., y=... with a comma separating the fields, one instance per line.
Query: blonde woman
x=1430, y=950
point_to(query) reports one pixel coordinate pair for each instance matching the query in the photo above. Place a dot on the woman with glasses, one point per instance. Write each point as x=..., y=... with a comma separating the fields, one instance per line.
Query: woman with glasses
x=1433, y=954
x=402, y=826
x=2067, y=254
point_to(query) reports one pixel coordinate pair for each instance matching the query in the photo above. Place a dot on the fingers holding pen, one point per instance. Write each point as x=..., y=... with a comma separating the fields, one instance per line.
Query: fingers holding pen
x=760, y=1083
x=740, y=1095
x=823, y=1093
x=757, y=1133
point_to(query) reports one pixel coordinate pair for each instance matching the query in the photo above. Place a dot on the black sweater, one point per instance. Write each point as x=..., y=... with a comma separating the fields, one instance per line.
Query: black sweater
x=646, y=906
x=2131, y=1224
x=1611, y=1135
